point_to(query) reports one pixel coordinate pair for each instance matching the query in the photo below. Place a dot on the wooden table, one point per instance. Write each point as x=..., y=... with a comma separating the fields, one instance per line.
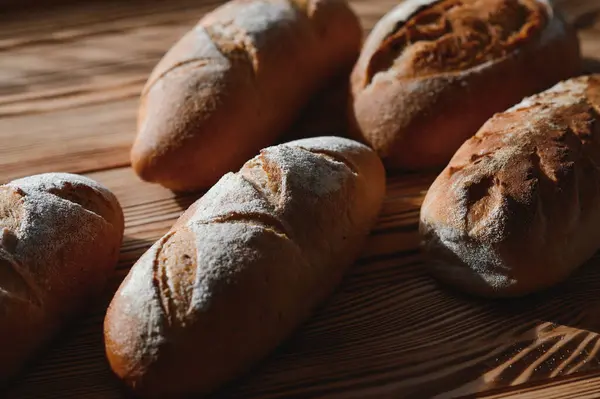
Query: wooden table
x=69, y=84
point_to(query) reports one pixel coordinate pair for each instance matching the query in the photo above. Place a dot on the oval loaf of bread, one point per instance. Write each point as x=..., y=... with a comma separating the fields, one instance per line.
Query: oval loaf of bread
x=59, y=244
x=234, y=83
x=433, y=71
x=244, y=266
x=518, y=207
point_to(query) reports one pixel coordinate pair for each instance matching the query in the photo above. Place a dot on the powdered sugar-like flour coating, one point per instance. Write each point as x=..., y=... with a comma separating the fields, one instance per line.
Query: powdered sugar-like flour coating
x=517, y=195
x=51, y=226
x=284, y=226
x=563, y=94
x=296, y=167
x=44, y=182
x=59, y=243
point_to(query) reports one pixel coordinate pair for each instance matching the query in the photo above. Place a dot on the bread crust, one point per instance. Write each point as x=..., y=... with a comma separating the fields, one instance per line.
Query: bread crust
x=234, y=83
x=243, y=266
x=432, y=72
x=59, y=243
x=518, y=207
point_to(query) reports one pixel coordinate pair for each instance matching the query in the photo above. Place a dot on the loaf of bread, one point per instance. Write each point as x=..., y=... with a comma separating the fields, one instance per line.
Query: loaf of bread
x=518, y=207
x=432, y=72
x=243, y=267
x=235, y=83
x=59, y=244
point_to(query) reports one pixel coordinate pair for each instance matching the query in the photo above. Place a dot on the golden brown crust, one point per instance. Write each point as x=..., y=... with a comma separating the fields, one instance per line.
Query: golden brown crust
x=225, y=89
x=59, y=243
x=270, y=242
x=428, y=77
x=516, y=210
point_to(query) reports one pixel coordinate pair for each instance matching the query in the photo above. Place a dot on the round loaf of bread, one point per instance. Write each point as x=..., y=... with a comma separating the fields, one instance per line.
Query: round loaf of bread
x=235, y=83
x=433, y=71
x=59, y=243
x=518, y=207
x=243, y=267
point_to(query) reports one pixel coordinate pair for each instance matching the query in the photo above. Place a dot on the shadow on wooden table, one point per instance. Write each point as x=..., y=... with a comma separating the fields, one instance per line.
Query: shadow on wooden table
x=78, y=350
x=326, y=114
x=389, y=331
x=591, y=65
x=398, y=334
x=131, y=250
x=564, y=340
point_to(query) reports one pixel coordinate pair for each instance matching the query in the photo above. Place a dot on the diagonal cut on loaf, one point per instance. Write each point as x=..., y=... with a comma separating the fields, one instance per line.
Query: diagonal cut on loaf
x=243, y=267
x=518, y=208
x=59, y=243
x=433, y=71
x=234, y=83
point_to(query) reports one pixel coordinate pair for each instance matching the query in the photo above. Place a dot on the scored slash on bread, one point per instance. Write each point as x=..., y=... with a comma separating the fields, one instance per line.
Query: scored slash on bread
x=518, y=207
x=59, y=244
x=433, y=71
x=235, y=83
x=243, y=266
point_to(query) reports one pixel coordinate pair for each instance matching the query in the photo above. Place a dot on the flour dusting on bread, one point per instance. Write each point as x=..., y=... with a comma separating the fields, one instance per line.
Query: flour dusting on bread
x=517, y=207
x=50, y=224
x=563, y=94
x=261, y=248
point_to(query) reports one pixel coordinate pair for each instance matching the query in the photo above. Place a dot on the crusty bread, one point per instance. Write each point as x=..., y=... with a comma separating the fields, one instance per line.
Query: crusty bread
x=432, y=72
x=518, y=207
x=234, y=83
x=59, y=243
x=244, y=266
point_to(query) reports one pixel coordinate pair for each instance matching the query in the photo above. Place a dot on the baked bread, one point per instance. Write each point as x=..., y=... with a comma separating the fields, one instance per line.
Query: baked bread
x=243, y=267
x=235, y=83
x=432, y=72
x=518, y=207
x=59, y=243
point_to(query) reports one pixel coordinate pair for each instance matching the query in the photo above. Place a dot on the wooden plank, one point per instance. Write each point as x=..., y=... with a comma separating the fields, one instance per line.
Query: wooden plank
x=69, y=81
x=74, y=365
x=389, y=331
x=582, y=387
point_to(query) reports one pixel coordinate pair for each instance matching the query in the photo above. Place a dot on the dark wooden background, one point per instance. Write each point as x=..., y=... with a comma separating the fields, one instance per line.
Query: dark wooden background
x=70, y=76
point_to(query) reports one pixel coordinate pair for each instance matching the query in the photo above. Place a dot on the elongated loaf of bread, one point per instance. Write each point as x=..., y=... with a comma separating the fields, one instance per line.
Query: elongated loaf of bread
x=518, y=207
x=234, y=83
x=59, y=243
x=433, y=71
x=243, y=267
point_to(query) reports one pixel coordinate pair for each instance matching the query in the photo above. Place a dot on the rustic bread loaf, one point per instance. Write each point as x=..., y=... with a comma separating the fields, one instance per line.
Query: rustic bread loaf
x=59, y=243
x=432, y=72
x=234, y=83
x=244, y=266
x=518, y=207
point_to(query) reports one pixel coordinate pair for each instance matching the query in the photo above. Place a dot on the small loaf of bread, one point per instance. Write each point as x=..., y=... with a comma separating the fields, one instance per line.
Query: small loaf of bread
x=433, y=71
x=244, y=266
x=518, y=207
x=59, y=243
x=234, y=83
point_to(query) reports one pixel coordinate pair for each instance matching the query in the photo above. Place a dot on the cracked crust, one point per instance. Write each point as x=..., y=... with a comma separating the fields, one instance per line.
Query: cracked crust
x=262, y=248
x=525, y=192
x=454, y=35
x=423, y=81
x=224, y=91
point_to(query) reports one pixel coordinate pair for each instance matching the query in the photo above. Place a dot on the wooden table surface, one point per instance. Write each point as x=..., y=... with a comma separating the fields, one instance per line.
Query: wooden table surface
x=70, y=77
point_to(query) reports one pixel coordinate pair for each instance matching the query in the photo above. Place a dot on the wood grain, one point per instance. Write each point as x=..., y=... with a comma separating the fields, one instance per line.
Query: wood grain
x=69, y=82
